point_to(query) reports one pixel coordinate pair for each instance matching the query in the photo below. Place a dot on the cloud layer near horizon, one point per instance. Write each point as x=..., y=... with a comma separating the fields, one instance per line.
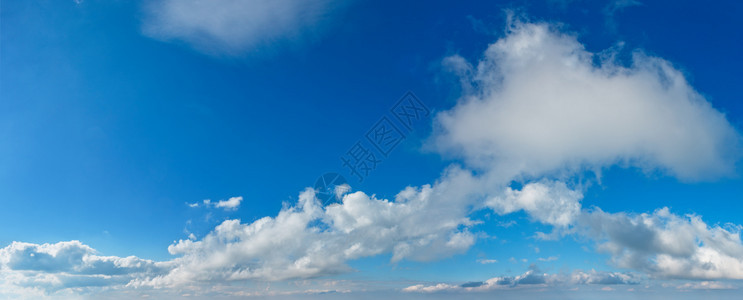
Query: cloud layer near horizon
x=532, y=277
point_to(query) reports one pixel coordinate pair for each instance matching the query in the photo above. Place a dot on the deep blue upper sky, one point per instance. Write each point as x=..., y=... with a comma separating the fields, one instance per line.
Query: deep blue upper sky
x=106, y=133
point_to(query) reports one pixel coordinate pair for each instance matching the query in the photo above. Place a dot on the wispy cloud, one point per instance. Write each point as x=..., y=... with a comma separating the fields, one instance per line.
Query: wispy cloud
x=234, y=27
x=547, y=259
x=614, y=7
x=487, y=261
x=706, y=285
x=230, y=204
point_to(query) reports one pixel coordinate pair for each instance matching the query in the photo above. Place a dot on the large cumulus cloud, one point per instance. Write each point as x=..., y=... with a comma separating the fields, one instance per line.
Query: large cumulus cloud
x=539, y=104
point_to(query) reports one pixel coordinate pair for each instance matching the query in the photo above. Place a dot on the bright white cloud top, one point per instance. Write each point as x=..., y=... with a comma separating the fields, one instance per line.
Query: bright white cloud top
x=539, y=109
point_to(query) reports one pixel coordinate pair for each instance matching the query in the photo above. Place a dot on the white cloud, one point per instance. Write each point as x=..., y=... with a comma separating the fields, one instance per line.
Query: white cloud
x=661, y=243
x=309, y=240
x=303, y=241
x=667, y=245
x=233, y=27
x=71, y=257
x=539, y=105
x=487, y=261
x=37, y=269
x=548, y=202
x=229, y=204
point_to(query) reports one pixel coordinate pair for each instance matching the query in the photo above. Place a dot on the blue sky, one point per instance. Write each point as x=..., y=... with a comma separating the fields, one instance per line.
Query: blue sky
x=568, y=145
